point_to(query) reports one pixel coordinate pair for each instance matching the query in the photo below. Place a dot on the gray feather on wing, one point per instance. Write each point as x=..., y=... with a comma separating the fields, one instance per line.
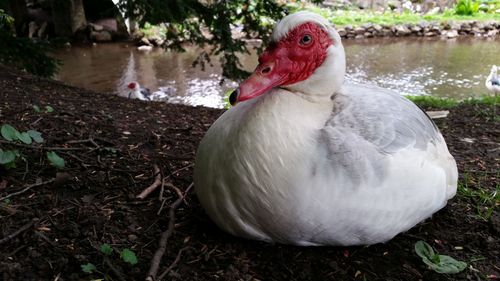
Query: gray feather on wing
x=369, y=123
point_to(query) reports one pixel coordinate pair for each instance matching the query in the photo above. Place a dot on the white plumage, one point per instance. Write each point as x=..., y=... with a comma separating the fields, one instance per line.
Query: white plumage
x=322, y=163
x=492, y=81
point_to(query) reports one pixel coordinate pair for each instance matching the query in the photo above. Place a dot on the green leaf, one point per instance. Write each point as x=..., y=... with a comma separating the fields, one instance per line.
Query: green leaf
x=36, y=136
x=7, y=157
x=8, y=132
x=24, y=137
x=424, y=250
x=128, y=256
x=36, y=108
x=49, y=109
x=448, y=265
x=106, y=249
x=438, y=263
x=55, y=160
x=88, y=268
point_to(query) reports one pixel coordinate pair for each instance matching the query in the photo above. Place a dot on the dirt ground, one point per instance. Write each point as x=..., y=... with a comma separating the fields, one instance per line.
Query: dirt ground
x=111, y=146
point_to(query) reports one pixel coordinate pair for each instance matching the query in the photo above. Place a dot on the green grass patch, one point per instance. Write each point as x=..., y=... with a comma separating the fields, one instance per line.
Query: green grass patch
x=445, y=103
x=484, y=200
x=360, y=17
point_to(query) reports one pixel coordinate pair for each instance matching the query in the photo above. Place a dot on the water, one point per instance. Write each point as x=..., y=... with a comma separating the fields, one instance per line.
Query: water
x=416, y=66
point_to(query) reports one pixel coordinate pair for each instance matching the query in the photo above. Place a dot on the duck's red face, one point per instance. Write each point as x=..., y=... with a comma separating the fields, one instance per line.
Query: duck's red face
x=292, y=59
x=131, y=85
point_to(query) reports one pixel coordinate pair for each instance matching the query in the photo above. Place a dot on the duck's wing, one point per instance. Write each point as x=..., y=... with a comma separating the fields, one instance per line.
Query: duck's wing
x=370, y=126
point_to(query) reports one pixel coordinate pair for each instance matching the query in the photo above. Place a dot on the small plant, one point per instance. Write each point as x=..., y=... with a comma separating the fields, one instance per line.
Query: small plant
x=48, y=109
x=106, y=250
x=55, y=160
x=466, y=7
x=9, y=157
x=88, y=267
x=438, y=263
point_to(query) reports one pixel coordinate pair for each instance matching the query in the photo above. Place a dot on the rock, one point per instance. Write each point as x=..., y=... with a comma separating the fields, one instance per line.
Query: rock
x=377, y=27
x=145, y=48
x=359, y=30
x=368, y=34
x=342, y=32
x=348, y=27
x=145, y=42
x=359, y=36
x=438, y=114
x=102, y=36
x=489, y=26
x=400, y=30
x=429, y=34
x=451, y=34
x=156, y=40
x=367, y=26
x=96, y=27
x=416, y=29
x=491, y=33
x=455, y=26
x=435, y=27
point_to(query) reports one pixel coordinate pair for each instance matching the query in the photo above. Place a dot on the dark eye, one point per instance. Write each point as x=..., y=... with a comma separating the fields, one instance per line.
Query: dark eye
x=306, y=40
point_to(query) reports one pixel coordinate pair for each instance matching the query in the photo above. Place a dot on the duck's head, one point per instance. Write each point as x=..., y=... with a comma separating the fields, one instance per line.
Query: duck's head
x=305, y=55
x=133, y=86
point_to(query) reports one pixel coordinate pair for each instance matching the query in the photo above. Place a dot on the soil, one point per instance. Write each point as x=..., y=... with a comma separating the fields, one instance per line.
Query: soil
x=111, y=145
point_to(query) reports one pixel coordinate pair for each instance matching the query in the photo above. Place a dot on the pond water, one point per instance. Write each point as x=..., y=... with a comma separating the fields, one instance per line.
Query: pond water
x=416, y=66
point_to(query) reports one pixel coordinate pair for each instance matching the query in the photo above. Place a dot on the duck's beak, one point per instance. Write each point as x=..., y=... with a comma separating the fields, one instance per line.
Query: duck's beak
x=265, y=77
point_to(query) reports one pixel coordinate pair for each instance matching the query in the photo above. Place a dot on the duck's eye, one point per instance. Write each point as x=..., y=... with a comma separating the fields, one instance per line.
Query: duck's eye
x=306, y=40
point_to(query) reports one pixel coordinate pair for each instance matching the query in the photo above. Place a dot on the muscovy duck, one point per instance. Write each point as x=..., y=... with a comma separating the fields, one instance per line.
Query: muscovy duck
x=138, y=92
x=304, y=159
x=492, y=81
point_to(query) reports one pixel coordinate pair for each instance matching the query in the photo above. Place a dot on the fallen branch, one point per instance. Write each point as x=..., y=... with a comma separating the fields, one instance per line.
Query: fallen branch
x=27, y=188
x=153, y=186
x=173, y=264
x=43, y=147
x=155, y=261
x=113, y=269
x=60, y=179
x=17, y=232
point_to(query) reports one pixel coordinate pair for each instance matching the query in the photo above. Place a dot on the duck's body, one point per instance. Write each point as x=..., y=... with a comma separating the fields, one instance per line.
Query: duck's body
x=355, y=166
x=493, y=81
x=138, y=92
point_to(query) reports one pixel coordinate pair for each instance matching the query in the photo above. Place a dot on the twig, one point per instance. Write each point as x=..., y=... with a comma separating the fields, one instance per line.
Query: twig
x=180, y=169
x=43, y=147
x=17, y=232
x=153, y=186
x=155, y=262
x=173, y=264
x=113, y=268
x=27, y=188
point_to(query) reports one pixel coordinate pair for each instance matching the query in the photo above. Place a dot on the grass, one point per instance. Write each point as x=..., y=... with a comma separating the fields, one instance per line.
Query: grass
x=446, y=103
x=485, y=201
x=360, y=17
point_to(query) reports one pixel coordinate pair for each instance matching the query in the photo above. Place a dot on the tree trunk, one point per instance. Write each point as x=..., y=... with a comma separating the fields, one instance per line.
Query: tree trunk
x=69, y=16
x=19, y=13
x=78, y=15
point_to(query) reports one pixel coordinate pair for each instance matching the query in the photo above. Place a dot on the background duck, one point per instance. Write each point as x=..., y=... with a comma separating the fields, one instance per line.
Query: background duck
x=492, y=81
